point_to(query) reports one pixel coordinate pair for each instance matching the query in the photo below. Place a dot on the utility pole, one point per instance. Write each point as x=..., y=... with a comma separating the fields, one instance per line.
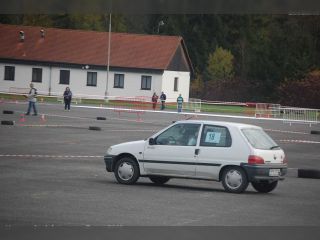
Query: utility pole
x=108, y=60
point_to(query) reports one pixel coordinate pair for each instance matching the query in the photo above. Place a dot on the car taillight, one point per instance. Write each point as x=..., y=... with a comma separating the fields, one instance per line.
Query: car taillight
x=255, y=160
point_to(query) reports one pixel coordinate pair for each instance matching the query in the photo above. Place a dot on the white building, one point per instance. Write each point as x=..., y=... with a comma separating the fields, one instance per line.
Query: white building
x=56, y=58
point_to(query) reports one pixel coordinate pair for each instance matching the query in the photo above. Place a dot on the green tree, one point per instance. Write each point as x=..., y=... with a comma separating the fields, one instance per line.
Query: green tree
x=220, y=65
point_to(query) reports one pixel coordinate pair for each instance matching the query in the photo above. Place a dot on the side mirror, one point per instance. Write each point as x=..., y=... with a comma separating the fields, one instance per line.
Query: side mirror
x=152, y=141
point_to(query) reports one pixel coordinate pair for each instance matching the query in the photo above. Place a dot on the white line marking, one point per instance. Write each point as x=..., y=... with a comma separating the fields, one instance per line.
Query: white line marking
x=282, y=131
x=297, y=141
x=47, y=156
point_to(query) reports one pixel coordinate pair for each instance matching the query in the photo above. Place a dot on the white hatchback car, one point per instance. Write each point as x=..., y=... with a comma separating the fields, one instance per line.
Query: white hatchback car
x=232, y=153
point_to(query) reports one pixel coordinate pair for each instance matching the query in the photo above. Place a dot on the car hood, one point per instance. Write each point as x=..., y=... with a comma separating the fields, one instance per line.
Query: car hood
x=132, y=147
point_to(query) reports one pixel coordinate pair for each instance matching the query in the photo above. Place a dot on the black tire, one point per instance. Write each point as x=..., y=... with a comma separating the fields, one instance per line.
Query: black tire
x=101, y=118
x=264, y=187
x=7, y=112
x=315, y=132
x=159, y=180
x=234, y=179
x=5, y=122
x=94, y=128
x=126, y=171
x=309, y=173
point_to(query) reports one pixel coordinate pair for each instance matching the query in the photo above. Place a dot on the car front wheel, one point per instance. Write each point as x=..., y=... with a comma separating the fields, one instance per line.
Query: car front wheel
x=126, y=171
x=264, y=187
x=234, y=179
x=159, y=180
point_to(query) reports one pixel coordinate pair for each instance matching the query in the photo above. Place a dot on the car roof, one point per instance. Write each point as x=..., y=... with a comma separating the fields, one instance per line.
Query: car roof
x=223, y=123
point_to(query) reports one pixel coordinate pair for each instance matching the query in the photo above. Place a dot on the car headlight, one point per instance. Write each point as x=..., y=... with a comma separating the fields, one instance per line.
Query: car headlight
x=109, y=150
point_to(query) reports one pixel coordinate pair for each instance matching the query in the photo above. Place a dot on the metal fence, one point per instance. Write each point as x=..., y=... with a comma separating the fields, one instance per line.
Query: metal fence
x=268, y=110
x=194, y=104
x=299, y=115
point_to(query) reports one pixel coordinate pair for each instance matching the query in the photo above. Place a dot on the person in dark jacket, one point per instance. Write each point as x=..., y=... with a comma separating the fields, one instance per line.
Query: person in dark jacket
x=67, y=97
x=163, y=98
x=154, y=100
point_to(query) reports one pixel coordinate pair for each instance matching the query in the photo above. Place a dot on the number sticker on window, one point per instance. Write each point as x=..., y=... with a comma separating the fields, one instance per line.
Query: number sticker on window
x=213, y=137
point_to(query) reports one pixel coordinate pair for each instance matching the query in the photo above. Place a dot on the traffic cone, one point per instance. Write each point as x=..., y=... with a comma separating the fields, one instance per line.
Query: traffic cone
x=43, y=119
x=22, y=118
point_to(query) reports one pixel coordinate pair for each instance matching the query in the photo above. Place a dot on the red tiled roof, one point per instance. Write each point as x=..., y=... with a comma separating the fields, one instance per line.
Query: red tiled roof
x=88, y=47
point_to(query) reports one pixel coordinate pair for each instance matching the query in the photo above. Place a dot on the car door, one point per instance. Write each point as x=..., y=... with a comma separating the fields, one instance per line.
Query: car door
x=214, y=151
x=173, y=151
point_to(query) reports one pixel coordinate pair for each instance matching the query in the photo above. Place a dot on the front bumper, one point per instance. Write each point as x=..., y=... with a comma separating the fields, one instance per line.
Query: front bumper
x=261, y=172
x=109, y=159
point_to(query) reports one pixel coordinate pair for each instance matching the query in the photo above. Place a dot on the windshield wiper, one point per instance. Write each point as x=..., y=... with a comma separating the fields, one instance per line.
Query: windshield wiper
x=273, y=147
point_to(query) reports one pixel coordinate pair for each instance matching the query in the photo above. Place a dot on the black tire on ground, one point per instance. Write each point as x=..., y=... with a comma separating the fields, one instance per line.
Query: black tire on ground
x=5, y=122
x=315, y=132
x=234, y=179
x=7, y=112
x=95, y=128
x=264, y=187
x=309, y=173
x=159, y=180
x=101, y=118
x=127, y=171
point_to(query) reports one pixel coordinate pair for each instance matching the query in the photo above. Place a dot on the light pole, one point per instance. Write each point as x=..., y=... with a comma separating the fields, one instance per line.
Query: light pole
x=108, y=60
x=161, y=23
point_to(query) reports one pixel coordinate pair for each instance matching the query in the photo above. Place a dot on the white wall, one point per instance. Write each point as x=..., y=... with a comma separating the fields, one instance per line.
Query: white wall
x=78, y=82
x=183, y=85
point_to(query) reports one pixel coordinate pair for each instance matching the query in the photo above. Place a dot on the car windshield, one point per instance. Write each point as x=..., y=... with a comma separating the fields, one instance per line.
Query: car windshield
x=259, y=139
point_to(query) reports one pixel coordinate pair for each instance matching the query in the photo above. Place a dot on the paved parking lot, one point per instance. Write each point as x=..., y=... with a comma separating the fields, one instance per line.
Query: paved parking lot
x=53, y=173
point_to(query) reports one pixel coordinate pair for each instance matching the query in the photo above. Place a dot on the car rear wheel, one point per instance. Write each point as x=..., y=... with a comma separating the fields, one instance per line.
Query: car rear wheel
x=234, y=179
x=159, y=180
x=126, y=171
x=264, y=187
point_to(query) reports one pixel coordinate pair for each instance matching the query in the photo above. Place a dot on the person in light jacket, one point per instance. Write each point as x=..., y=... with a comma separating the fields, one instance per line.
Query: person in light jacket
x=179, y=103
x=32, y=99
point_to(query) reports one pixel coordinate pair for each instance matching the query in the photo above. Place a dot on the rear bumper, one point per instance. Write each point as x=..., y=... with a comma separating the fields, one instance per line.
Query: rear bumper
x=108, y=160
x=261, y=172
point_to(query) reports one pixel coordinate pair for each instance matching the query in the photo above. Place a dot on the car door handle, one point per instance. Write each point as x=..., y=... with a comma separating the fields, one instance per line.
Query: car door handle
x=196, y=152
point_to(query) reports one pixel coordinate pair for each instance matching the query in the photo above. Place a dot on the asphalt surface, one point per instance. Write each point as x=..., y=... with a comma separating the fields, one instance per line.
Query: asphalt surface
x=52, y=173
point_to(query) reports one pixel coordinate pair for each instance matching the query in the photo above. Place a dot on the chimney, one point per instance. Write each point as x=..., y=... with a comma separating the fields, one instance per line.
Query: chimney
x=42, y=33
x=21, y=33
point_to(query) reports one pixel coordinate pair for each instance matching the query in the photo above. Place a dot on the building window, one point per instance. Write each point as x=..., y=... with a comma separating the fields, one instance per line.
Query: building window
x=36, y=74
x=9, y=73
x=92, y=79
x=118, y=81
x=175, y=87
x=146, y=82
x=64, y=77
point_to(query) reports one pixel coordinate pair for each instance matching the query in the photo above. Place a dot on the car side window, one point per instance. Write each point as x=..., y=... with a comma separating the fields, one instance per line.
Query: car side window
x=215, y=136
x=184, y=134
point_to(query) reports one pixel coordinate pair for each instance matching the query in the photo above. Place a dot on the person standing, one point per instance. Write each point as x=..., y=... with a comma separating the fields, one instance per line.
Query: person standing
x=67, y=96
x=32, y=99
x=163, y=99
x=179, y=103
x=154, y=100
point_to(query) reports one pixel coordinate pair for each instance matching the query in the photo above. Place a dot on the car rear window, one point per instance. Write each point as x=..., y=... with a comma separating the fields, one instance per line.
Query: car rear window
x=259, y=139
